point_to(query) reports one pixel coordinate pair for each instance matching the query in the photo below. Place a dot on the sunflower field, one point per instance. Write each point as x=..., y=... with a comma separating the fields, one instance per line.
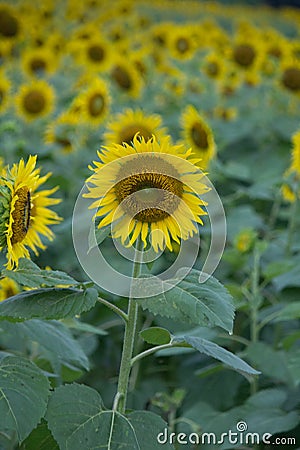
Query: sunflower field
x=149, y=225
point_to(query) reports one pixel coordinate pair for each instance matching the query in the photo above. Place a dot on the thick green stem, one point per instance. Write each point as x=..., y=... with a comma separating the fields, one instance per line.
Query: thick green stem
x=129, y=338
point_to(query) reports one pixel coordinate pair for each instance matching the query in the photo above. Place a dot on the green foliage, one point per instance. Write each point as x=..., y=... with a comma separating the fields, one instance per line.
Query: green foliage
x=40, y=438
x=156, y=335
x=69, y=414
x=54, y=303
x=30, y=275
x=24, y=393
x=219, y=353
x=205, y=304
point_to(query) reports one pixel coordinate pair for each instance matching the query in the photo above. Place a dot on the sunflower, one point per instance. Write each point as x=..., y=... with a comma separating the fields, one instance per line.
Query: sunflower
x=8, y=288
x=213, y=66
x=63, y=132
x=126, y=77
x=10, y=23
x=39, y=61
x=35, y=100
x=96, y=53
x=25, y=215
x=198, y=135
x=290, y=75
x=94, y=103
x=147, y=190
x=4, y=93
x=181, y=43
x=125, y=125
x=246, y=54
x=291, y=191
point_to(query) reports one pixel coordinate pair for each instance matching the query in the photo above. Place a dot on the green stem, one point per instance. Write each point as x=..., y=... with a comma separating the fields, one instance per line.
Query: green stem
x=113, y=308
x=152, y=350
x=129, y=338
x=254, y=304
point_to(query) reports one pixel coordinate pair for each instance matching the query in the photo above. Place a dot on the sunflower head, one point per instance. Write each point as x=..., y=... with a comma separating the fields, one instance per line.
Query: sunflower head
x=25, y=215
x=147, y=189
x=130, y=122
x=198, y=135
x=35, y=100
x=8, y=288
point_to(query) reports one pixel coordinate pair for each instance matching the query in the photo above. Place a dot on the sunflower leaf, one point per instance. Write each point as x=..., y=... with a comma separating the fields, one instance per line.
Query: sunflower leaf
x=24, y=392
x=221, y=354
x=156, y=335
x=77, y=419
x=50, y=303
x=29, y=274
x=40, y=438
x=204, y=304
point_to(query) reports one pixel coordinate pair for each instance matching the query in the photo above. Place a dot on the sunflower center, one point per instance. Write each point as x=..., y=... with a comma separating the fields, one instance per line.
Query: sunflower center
x=156, y=195
x=34, y=102
x=291, y=78
x=96, y=53
x=9, y=25
x=212, y=69
x=182, y=45
x=64, y=142
x=127, y=133
x=199, y=136
x=37, y=65
x=275, y=51
x=21, y=215
x=122, y=77
x=244, y=55
x=96, y=105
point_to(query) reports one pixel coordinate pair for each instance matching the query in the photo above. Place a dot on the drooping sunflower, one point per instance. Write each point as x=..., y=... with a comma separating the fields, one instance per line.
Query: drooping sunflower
x=35, y=100
x=8, y=288
x=197, y=134
x=94, y=103
x=25, y=215
x=125, y=125
x=148, y=190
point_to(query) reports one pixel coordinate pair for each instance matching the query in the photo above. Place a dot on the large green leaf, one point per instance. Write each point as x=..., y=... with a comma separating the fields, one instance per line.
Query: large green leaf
x=50, y=303
x=24, y=392
x=147, y=426
x=29, y=274
x=205, y=304
x=55, y=340
x=77, y=419
x=40, y=438
x=221, y=354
